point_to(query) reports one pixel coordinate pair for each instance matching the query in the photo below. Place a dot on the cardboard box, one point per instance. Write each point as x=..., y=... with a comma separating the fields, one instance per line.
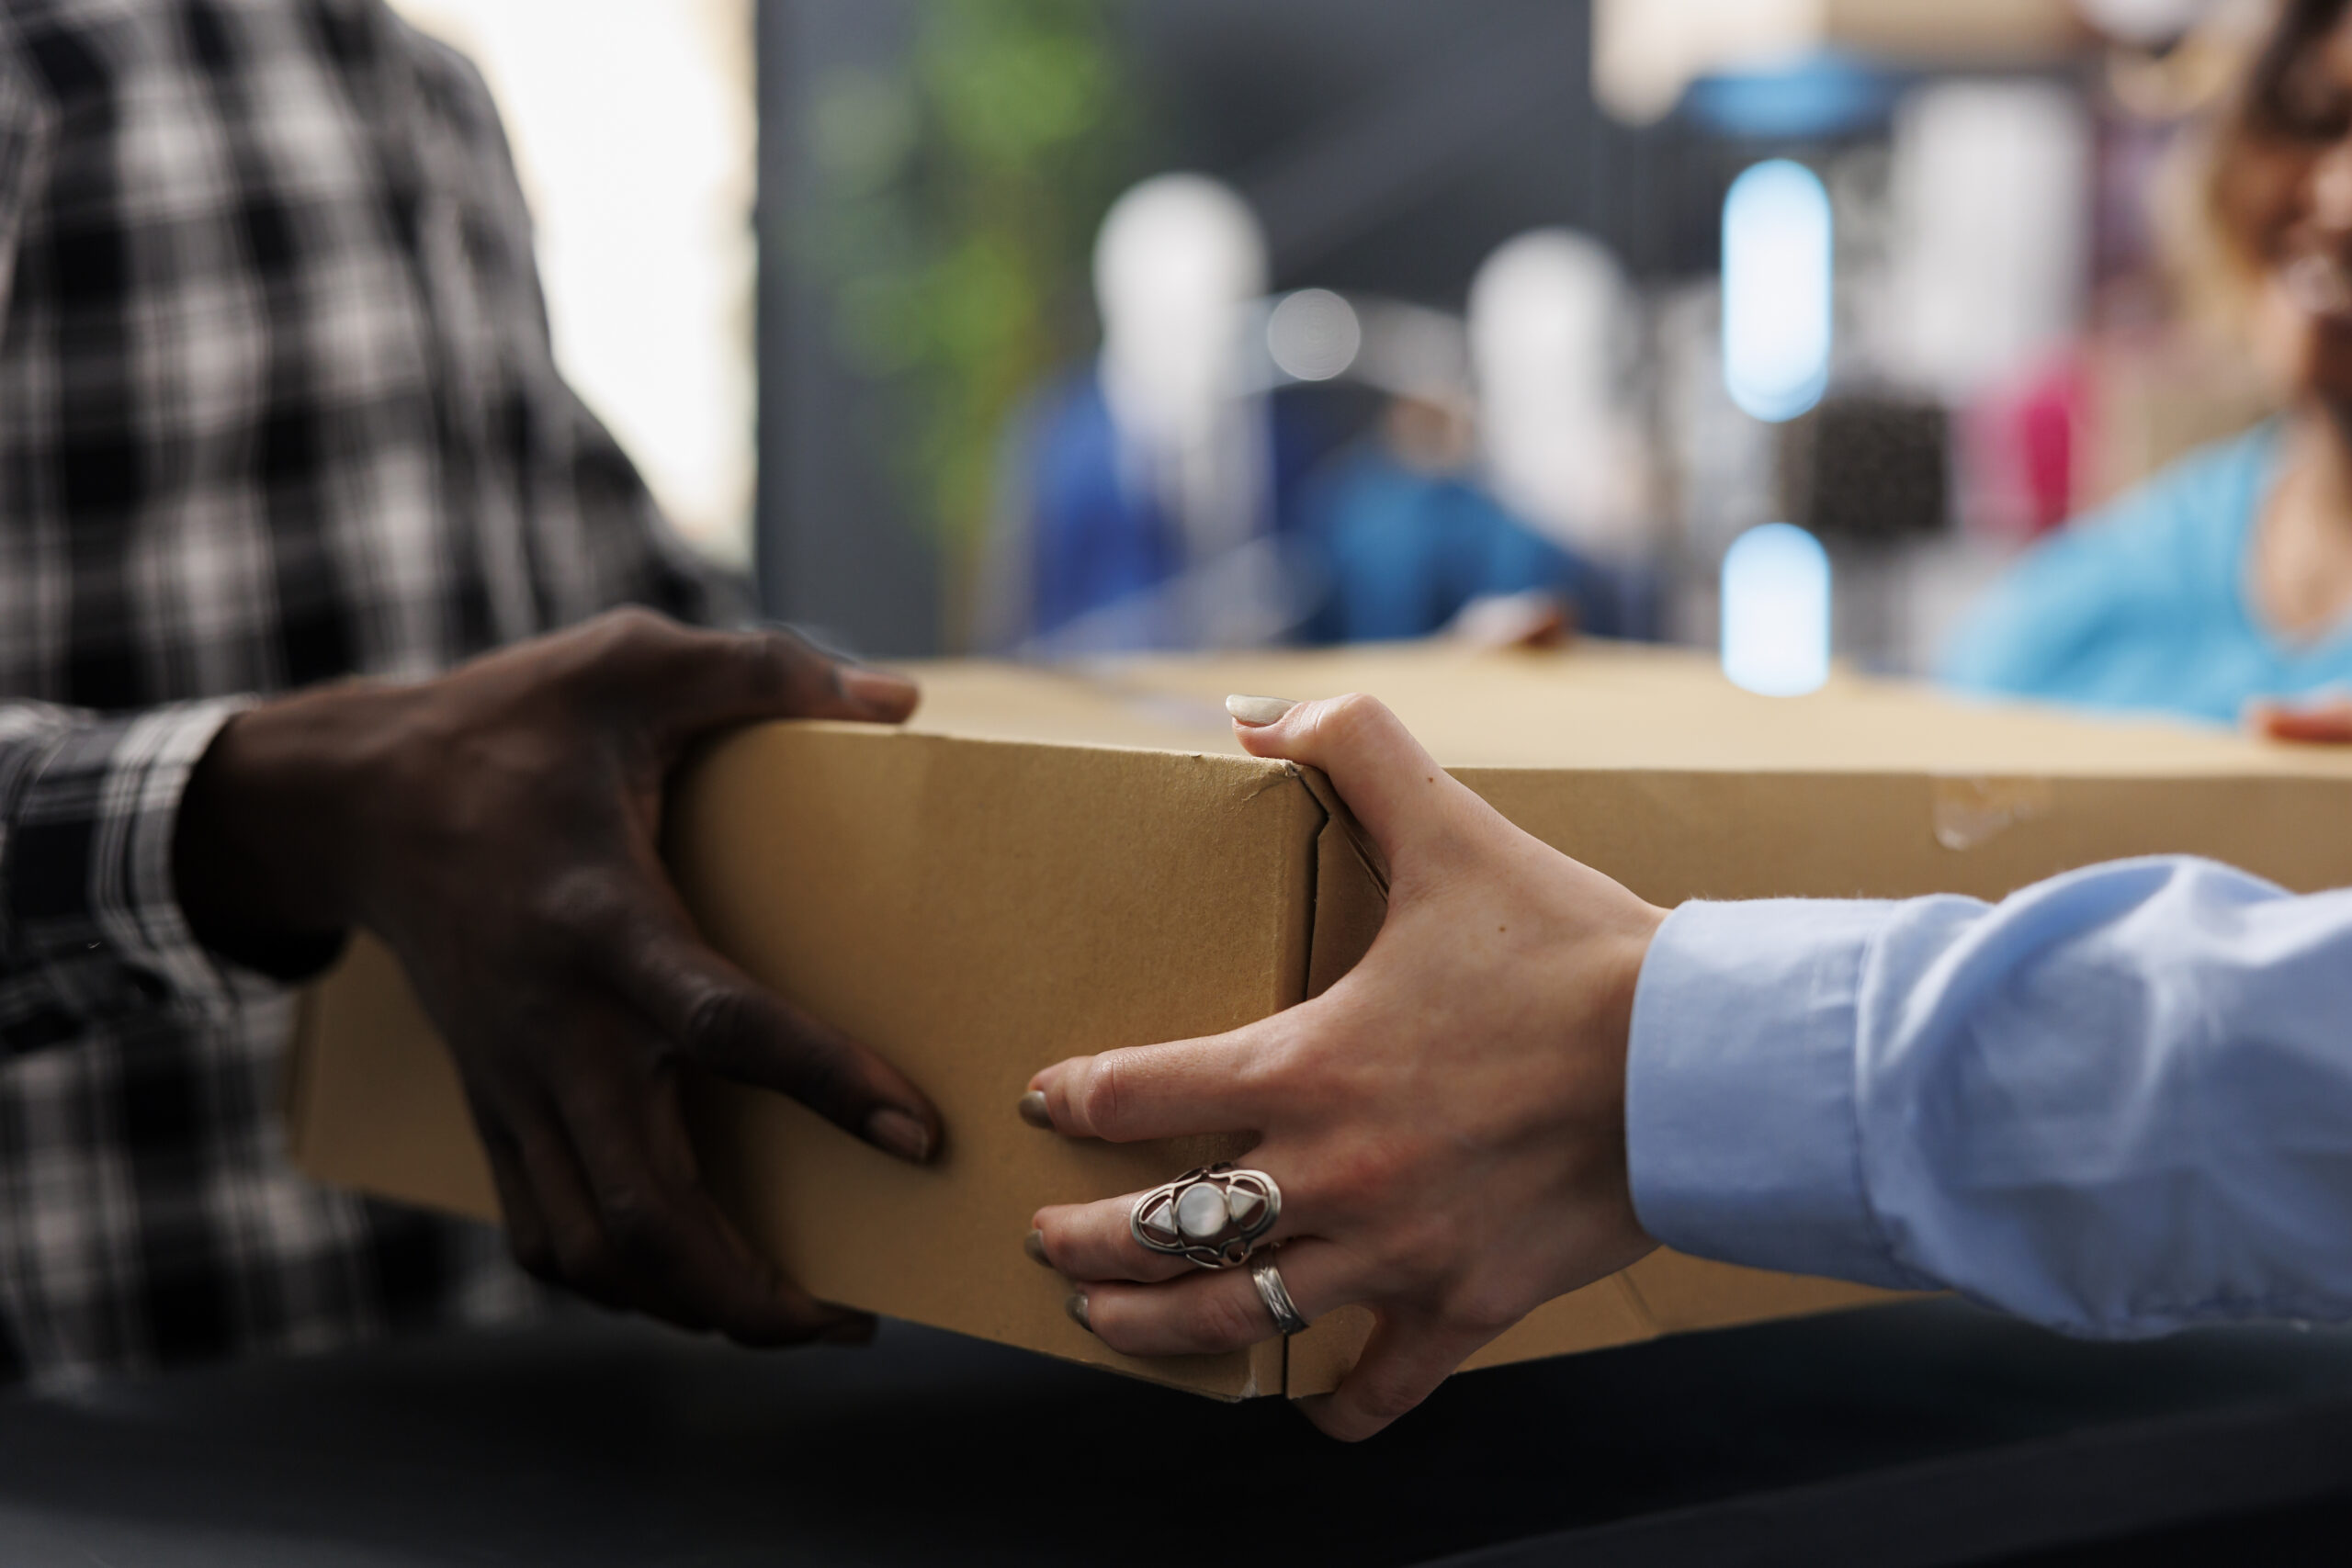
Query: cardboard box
x=1048, y=864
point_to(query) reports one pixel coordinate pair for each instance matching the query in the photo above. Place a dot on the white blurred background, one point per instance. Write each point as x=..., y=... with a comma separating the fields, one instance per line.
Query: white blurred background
x=633, y=126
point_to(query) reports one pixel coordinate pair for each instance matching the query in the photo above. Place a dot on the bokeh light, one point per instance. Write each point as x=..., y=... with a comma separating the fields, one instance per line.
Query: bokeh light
x=1312, y=334
x=1776, y=611
x=1775, y=289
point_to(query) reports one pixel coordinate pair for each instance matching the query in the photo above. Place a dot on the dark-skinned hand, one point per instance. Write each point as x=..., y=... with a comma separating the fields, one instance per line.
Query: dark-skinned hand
x=498, y=828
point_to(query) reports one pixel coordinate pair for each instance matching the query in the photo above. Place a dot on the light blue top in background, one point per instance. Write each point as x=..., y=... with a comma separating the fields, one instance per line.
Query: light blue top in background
x=2117, y=1103
x=2143, y=605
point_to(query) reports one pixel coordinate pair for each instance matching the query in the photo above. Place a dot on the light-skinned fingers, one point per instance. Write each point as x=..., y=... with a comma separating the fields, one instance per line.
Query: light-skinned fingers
x=1094, y=1241
x=1402, y=1364
x=1172, y=1091
x=714, y=1015
x=1211, y=1312
x=1386, y=777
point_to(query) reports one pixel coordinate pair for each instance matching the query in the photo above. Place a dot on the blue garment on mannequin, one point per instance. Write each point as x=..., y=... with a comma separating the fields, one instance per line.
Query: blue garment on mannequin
x=1096, y=538
x=1406, y=550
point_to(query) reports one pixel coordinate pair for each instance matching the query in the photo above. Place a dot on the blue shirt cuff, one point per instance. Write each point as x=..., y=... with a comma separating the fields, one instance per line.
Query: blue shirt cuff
x=1740, y=1125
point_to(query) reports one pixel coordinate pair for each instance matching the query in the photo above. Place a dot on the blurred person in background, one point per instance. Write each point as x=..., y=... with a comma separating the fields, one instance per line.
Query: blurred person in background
x=277, y=408
x=2227, y=579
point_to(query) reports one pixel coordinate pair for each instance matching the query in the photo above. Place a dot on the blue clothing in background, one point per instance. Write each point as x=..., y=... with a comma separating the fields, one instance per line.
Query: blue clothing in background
x=1097, y=537
x=2143, y=603
x=1404, y=551
x=2119, y=1102
x=1380, y=551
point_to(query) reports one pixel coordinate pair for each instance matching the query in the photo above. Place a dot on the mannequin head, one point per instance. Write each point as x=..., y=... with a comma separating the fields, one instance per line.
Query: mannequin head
x=1177, y=259
x=1548, y=350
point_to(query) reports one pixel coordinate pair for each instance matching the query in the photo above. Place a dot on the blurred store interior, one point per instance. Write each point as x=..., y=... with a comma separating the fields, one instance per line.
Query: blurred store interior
x=1089, y=325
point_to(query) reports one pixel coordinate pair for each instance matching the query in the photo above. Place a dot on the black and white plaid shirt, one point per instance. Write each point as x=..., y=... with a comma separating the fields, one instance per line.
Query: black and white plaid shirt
x=277, y=405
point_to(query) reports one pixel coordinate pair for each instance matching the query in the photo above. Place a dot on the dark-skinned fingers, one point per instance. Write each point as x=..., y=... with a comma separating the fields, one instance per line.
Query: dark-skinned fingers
x=772, y=1310
x=714, y=1015
x=737, y=677
x=685, y=680
x=1096, y=1241
x=1172, y=1091
x=678, y=1257
x=526, y=1230
x=1402, y=1364
x=787, y=1315
x=1213, y=1310
x=583, y=1261
x=669, y=1143
x=670, y=1147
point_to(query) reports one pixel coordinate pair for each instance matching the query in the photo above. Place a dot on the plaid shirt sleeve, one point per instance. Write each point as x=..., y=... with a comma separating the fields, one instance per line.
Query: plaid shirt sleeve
x=276, y=406
x=90, y=923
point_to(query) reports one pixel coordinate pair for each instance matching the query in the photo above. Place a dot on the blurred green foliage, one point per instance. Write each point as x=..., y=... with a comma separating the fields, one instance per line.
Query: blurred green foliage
x=953, y=220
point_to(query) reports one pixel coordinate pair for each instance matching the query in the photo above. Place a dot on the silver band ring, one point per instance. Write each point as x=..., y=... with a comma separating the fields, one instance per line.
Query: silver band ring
x=1212, y=1215
x=1276, y=1295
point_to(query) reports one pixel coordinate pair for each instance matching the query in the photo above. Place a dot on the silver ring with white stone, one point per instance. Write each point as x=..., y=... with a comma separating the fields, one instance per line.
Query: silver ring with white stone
x=1212, y=1215
x=1276, y=1295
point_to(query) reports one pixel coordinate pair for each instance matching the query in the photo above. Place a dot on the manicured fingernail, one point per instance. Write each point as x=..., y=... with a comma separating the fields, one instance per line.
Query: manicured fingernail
x=1035, y=1245
x=901, y=1133
x=1034, y=1111
x=1258, y=711
x=879, y=690
x=1076, y=1307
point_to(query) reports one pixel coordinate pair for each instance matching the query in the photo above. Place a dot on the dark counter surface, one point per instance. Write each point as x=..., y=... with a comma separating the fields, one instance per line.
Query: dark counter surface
x=1924, y=1433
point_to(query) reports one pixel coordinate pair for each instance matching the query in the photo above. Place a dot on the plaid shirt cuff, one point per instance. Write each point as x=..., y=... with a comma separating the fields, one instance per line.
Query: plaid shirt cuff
x=86, y=896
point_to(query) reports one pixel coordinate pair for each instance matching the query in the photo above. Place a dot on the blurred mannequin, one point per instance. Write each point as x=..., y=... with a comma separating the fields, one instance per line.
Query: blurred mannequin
x=1140, y=505
x=1179, y=260
x=1549, y=346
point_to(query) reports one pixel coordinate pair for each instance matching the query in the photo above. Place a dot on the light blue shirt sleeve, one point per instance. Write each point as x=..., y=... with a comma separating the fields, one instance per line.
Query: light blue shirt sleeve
x=2119, y=1102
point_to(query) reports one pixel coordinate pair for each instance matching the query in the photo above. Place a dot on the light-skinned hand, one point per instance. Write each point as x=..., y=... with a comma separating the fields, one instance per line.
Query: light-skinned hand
x=1446, y=1122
